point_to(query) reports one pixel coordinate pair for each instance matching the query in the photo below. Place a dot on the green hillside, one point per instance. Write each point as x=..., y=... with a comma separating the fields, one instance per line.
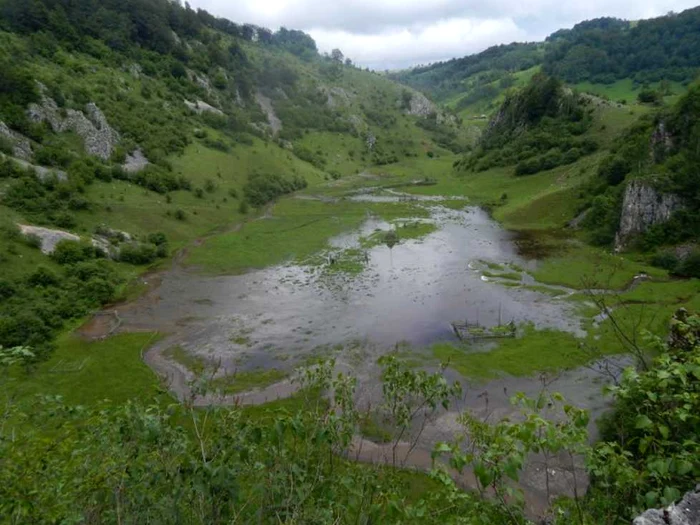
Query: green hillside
x=607, y=57
x=227, y=117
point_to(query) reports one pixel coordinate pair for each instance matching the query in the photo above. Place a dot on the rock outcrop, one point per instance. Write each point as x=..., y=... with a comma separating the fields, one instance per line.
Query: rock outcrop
x=661, y=143
x=200, y=106
x=49, y=238
x=266, y=105
x=135, y=162
x=420, y=106
x=336, y=96
x=21, y=147
x=685, y=512
x=642, y=207
x=98, y=136
x=42, y=173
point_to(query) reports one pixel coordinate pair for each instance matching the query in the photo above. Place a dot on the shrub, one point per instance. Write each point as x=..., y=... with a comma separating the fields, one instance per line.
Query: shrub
x=689, y=266
x=137, y=253
x=180, y=215
x=71, y=252
x=261, y=189
x=32, y=240
x=43, y=276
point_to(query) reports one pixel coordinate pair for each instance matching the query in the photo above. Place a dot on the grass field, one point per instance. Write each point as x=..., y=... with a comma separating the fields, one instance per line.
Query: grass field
x=296, y=230
x=535, y=351
x=84, y=373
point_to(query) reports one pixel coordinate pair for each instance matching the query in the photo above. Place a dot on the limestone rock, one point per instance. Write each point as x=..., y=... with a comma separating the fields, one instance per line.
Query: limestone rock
x=49, y=238
x=42, y=173
x=335, y=96
x=135, y=161
x=685, y=512
x=642, y=207
x=661, y=143
x=200, y=107
x=420, y=106
x=266, y=105
x=98, y=136
x=21, y=147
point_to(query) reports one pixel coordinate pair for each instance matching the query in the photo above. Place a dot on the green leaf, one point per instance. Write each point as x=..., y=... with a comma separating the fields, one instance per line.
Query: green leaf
x=663, y=430
x=642, y=422
x=684, y=467
x=671, y=494
x=651, y=498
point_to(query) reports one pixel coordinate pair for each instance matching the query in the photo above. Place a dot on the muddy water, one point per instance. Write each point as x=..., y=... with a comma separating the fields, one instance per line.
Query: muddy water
x=410, y=293
x=284, y=315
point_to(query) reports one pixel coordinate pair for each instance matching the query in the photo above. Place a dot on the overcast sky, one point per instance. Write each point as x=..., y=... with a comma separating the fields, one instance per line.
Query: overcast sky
x=388, y=34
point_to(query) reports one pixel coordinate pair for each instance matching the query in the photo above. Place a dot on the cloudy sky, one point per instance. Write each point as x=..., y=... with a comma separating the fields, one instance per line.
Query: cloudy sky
x=387, y=34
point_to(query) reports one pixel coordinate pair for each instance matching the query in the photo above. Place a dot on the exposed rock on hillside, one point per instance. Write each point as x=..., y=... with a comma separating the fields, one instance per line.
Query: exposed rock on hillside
x=21, y=147
x=420, y=106
x=135, y=162
x=49, y=238
x=335, y=96
x=200, y=106
x=685, y=512
x=98, y=136
x=661, y=143
x=642, y=207
x=41, y=172
x=266, y=105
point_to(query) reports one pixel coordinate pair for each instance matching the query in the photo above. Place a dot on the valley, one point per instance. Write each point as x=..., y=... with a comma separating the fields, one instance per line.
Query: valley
x=246, y=281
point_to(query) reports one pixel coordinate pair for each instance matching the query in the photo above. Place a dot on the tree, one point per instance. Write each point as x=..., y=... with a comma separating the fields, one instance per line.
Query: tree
x=337, y=55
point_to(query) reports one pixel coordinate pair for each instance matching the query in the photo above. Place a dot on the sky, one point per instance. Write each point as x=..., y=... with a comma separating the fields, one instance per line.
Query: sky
x=392, y=34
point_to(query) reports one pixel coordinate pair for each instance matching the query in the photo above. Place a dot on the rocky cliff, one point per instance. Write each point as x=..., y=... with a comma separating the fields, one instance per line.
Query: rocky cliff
x=642, y=207
x=685, y=512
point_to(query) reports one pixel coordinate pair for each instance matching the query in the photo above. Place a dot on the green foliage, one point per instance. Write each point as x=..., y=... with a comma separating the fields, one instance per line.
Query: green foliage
x=661, y=148
x=536, y=128
x=263, y=188
x=72, y=252
x=606, y=49
x=138, y=253
x=652, y=449
x=170, y=464
x=445, y=78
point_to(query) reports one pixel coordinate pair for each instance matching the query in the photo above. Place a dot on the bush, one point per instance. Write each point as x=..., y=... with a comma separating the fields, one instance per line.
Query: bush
x=180, y=215
x=665, y=259
x=649, y=96
x=72, y=252
x=689, y=266
x=137, y=253
x=32, y=240
x=43, y=276
x=261, y=189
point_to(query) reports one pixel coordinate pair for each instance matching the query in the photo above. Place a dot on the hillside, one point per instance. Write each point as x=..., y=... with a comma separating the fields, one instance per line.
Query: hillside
x=141, y=134
x=606, y=57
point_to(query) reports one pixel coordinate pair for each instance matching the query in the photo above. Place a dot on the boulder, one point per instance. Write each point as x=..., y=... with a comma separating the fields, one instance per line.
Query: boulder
x=135, y=161
x=200, y=107
x=49, y=238
x=685, y=512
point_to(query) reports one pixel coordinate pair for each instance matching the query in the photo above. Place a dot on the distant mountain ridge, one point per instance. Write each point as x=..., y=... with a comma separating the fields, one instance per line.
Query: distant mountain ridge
x=603, y=50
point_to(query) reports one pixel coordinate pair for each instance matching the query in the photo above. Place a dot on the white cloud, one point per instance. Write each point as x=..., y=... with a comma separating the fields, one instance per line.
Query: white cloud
x=390, y=33
x=401, y=47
